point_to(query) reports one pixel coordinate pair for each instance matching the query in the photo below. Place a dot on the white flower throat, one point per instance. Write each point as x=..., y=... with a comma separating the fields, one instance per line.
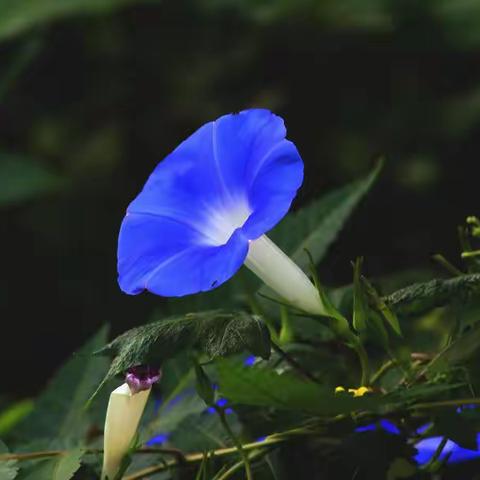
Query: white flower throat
x=264, y=258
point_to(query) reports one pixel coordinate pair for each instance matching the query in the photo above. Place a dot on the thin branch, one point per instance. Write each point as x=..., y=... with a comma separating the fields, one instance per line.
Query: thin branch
x=237, y=466
x=236, y=441
x=198, y=457
x=291, y=361
x=445, y=403
x=91, y=451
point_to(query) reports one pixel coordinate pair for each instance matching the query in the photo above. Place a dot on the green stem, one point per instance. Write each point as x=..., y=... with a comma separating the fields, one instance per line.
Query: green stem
x=441, y=260
x=357, y=345
x=236, y=441
x=237, y=466
x=432, y=464
x=471, y=253
x=382, y=370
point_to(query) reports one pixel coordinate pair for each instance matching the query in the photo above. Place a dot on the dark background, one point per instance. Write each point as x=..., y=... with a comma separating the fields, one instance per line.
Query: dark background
x=91, y=98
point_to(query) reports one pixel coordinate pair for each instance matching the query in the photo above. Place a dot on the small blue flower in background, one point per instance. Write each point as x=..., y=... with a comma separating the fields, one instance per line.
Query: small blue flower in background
x=250, y=361
x=190, y=228
x=382, y=424
x=159, y=439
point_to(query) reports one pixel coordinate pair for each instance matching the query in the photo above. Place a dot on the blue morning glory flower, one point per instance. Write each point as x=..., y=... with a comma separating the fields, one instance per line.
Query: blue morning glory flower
x=205, y=209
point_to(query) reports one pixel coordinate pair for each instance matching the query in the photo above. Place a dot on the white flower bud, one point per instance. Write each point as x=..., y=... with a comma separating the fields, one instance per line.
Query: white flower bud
x=123, y=416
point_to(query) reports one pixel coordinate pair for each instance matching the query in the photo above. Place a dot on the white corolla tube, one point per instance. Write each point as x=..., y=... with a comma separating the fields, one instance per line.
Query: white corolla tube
x=283, y=275
x=124, y=411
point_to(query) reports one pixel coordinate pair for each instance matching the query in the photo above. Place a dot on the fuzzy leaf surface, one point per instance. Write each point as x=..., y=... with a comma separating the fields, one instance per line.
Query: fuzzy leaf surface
x=420, y=298
x=215, y=333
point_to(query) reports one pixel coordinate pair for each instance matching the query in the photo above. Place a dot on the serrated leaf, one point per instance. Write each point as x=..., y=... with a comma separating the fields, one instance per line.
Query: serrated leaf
x=68, y=464
x=215, y=333
x=8, y=468
x=420, y=298
x=59, y=411
x=22, y=179
x=264, y=387
x=315, y=227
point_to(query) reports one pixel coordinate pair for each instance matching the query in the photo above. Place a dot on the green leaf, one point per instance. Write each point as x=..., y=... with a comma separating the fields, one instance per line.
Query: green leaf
x=62, y=467
x=379, y=304
x=173, y=412
x=215, y=333
x=202, y=431
x=22, y=179
x=264, y=387
x=60, y=412
x=68, y=464
x=14, y=414
x=418, y=393
x=420, y=298
x=8, y=468
x=18, y=16
x=360, y=307
x=315, y=227
x=204, y=386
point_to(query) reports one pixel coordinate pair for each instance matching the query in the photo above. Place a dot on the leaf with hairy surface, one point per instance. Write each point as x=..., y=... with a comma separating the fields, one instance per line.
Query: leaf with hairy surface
x=215, y=333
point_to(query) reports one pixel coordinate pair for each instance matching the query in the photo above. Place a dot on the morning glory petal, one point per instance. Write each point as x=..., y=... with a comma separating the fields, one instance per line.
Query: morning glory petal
x=169, y=258
x=273, y=189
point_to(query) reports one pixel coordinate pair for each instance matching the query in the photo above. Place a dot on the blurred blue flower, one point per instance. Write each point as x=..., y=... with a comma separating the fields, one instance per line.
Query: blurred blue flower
x=250, y=361
x=382, y=424
x=427, y=447
x=224, y=186
x=159, y=439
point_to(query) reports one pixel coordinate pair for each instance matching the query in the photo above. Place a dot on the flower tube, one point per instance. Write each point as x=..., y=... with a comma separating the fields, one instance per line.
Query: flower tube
x=205, y=209
x=125, y=408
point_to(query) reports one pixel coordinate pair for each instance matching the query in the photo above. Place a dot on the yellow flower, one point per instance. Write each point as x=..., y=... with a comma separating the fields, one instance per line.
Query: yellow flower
x=359, y=392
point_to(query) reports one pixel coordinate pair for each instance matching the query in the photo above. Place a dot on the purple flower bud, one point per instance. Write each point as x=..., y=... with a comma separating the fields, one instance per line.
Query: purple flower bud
x=142, y=377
